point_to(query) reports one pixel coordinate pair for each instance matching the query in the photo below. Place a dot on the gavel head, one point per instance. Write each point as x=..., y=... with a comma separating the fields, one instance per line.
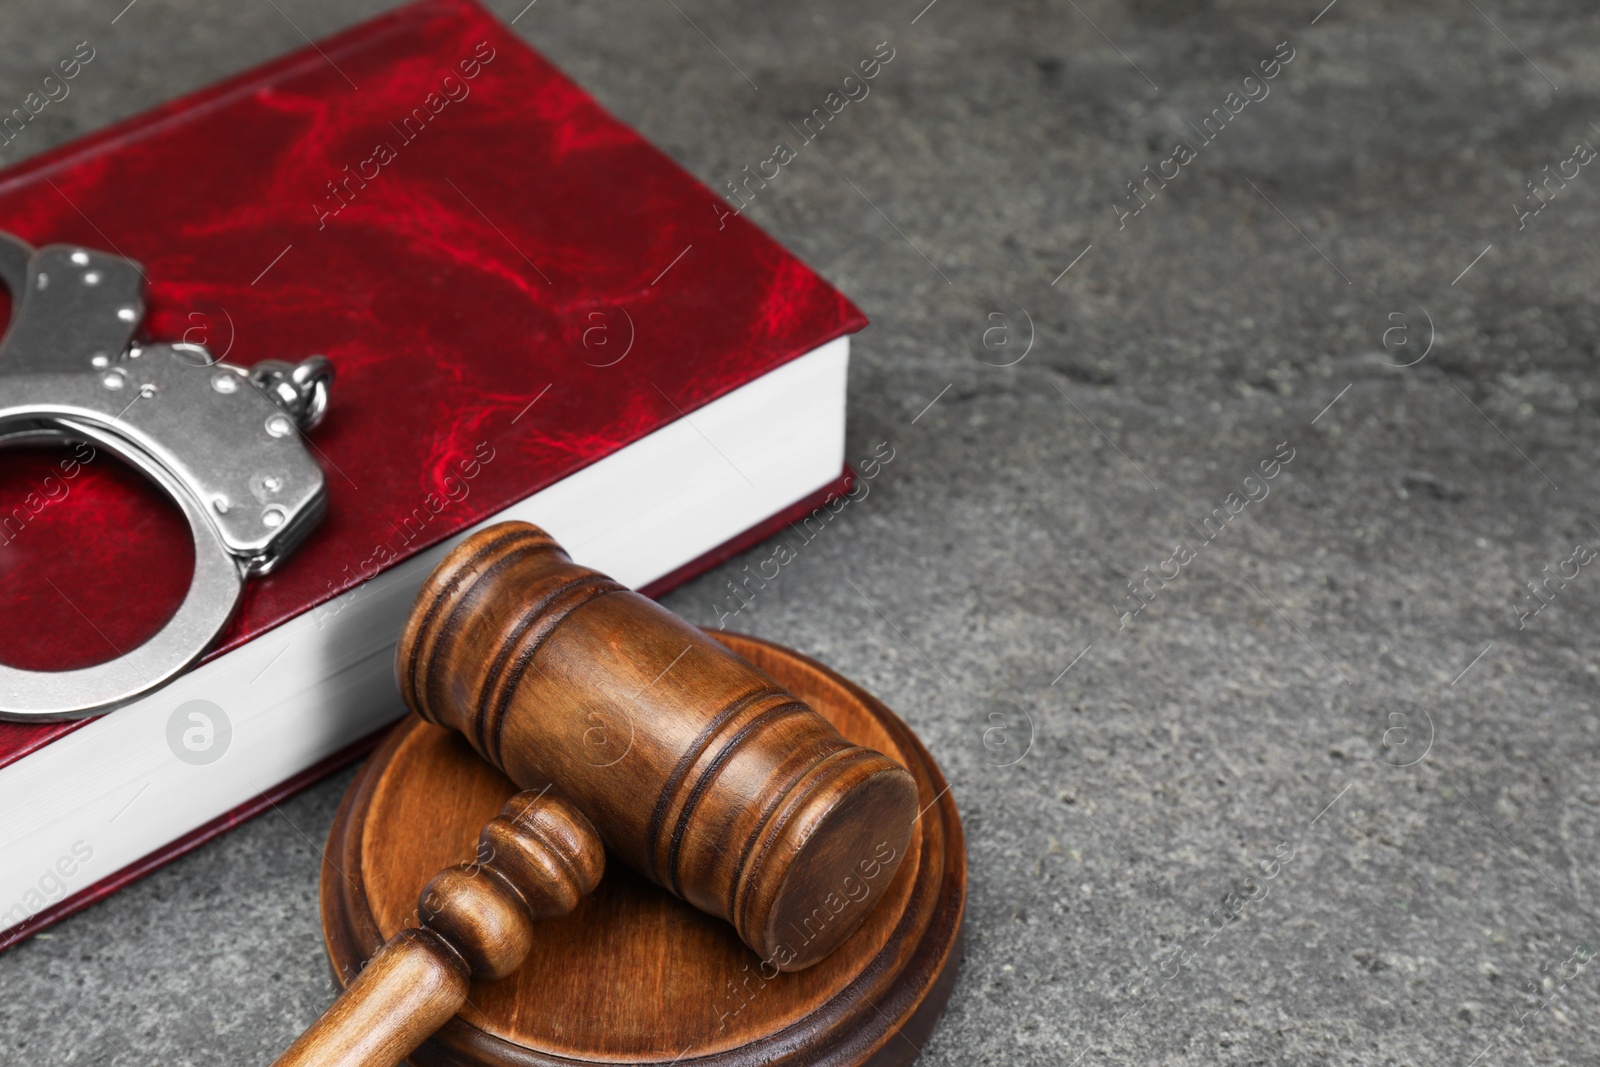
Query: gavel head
x=694, y=766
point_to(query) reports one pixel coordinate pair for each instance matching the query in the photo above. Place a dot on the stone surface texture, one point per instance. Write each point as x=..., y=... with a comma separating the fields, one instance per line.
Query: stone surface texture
x=1327, y=796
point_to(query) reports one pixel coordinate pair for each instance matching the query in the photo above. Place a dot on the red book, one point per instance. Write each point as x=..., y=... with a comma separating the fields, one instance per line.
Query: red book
x=531, y=313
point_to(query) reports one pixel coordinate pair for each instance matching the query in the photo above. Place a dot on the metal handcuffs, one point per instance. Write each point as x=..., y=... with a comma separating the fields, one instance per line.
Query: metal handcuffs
x=222, y=441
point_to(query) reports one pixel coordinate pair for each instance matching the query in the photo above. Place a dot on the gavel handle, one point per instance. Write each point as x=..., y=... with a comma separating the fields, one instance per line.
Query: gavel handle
x=414, y=985
x=536, y=859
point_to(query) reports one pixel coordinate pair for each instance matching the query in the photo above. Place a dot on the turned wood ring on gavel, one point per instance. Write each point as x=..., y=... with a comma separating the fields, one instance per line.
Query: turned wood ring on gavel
x=697, y=769
x=617, y=719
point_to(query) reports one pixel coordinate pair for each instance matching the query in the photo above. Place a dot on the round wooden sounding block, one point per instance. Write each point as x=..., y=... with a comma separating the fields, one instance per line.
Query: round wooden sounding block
x=634, y=975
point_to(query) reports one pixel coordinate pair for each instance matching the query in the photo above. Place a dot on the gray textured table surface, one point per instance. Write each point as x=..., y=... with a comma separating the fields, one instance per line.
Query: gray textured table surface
x=1277, y=696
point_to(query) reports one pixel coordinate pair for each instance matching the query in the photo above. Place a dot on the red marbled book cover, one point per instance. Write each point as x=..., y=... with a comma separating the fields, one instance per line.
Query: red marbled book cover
x=462, y=230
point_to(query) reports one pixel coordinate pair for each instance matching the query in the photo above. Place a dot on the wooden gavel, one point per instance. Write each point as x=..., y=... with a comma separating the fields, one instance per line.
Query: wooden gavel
x=628, y=729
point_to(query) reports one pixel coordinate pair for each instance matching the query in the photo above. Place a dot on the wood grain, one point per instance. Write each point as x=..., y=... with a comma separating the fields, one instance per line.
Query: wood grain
x=696, y=767
x=474, y=921
x=633, y=974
